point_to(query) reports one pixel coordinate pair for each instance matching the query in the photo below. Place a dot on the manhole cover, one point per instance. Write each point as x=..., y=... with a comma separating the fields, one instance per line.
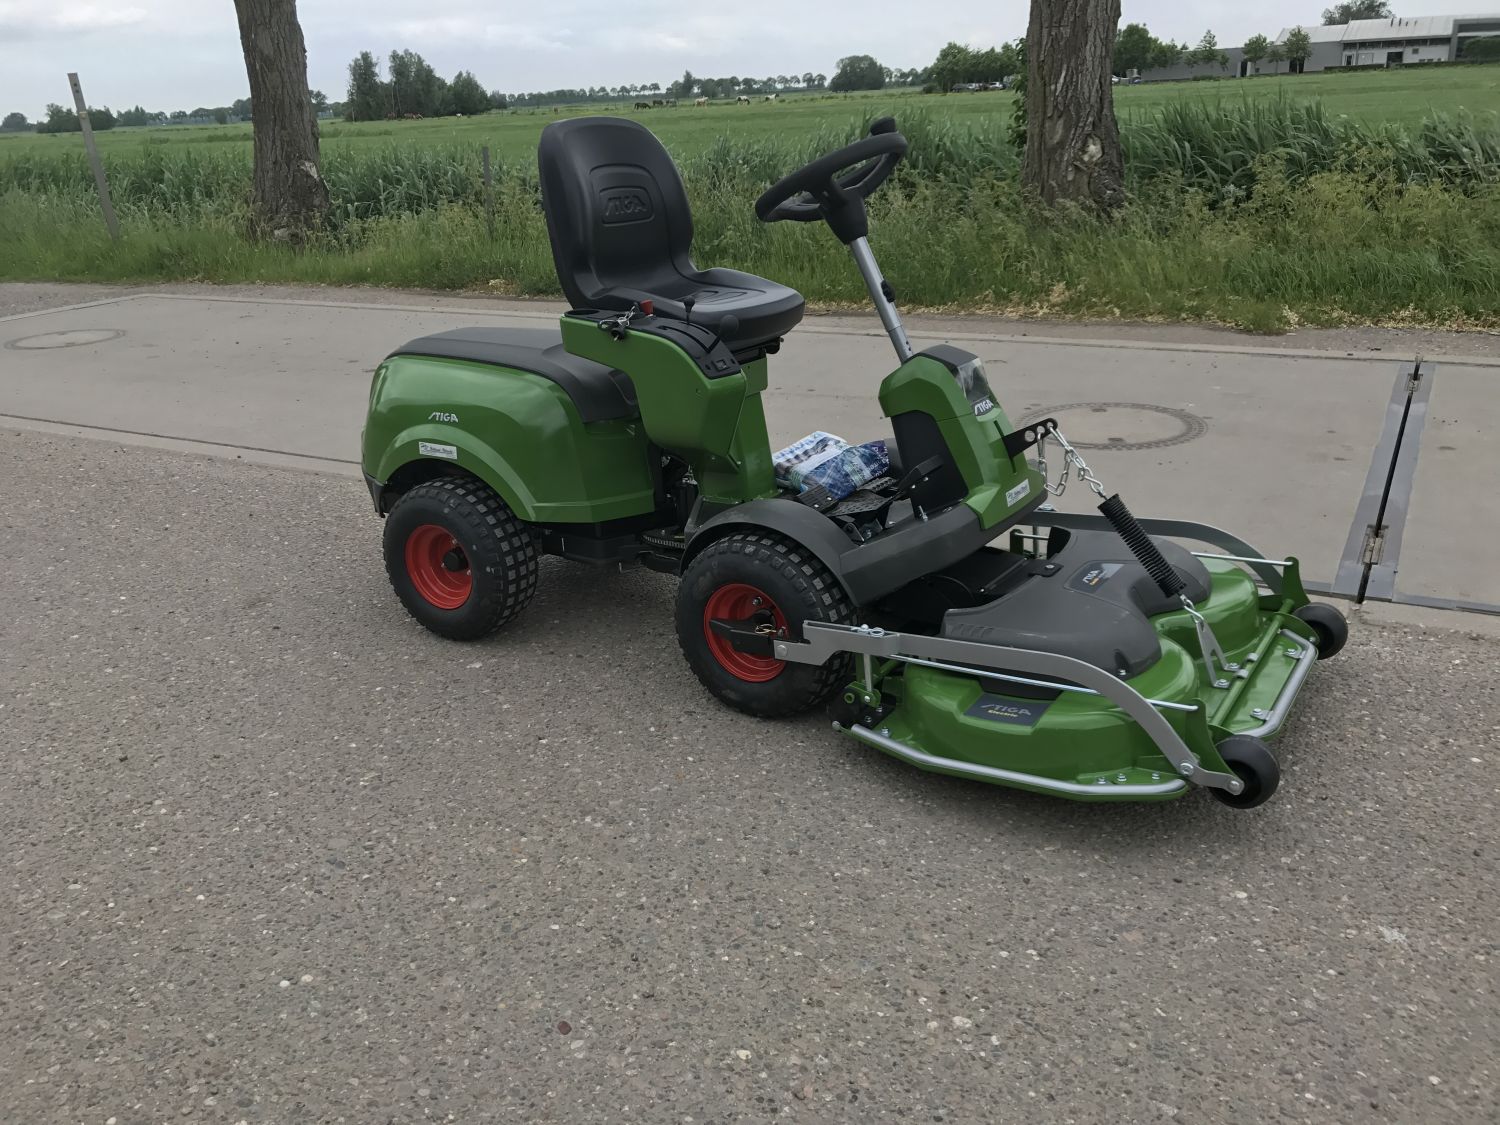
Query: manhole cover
x=1121, y=425
x=66, y=339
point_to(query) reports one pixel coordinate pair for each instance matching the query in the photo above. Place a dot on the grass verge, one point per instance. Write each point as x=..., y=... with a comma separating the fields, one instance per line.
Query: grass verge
x=1263, y=216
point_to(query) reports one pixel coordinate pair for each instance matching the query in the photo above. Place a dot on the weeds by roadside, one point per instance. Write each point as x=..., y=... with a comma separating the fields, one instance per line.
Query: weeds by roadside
x=1260, y=215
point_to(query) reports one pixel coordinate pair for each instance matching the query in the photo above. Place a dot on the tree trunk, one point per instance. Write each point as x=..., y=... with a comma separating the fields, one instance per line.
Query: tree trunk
x=289, y=198
x=1072, y=141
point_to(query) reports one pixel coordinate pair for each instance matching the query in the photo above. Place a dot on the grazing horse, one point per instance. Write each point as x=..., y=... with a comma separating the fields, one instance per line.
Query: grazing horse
x=644, y=105
x=770, y=97
x=700, y=101
x=742, y=100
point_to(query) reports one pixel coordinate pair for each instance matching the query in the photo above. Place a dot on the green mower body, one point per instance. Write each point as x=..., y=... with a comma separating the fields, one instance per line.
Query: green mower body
x=514, y=430
x=945, y=611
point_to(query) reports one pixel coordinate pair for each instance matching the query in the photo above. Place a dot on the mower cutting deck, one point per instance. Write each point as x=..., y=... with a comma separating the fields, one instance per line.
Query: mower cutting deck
x=1092, y=657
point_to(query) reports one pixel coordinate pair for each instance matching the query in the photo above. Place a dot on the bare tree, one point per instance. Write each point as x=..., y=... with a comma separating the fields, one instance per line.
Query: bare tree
x=289, y=197
x=1072, y=140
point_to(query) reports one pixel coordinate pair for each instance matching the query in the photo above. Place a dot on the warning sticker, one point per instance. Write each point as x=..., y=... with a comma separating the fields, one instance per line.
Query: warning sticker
x=1015, y=495
x=438, y=449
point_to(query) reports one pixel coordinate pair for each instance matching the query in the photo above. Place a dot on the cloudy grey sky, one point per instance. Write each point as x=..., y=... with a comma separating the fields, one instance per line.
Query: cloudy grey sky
x=178, y=54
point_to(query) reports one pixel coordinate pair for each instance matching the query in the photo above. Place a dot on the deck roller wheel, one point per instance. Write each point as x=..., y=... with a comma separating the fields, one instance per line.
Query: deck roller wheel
x=1329, y=626
x=1255, y=765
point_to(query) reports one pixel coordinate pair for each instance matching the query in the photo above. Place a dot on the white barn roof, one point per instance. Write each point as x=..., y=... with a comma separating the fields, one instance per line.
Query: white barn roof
x=1334, y=34
x=1367, y=31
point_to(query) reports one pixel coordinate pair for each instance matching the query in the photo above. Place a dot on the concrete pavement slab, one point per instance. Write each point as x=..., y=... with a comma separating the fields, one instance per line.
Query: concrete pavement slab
x=288, y=377
x=1448, y=549
x=1276, y=446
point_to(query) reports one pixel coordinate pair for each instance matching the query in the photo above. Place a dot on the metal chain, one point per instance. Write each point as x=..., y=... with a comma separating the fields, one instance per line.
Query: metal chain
x=1072, y=461
x=1220, y=669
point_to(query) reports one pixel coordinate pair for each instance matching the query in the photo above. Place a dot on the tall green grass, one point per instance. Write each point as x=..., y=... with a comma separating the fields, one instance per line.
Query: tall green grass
x=1215, y=148
x=1261, y=214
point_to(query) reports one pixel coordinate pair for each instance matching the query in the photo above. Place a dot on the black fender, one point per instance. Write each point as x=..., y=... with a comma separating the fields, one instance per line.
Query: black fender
x=867, y=571
x=797, y=522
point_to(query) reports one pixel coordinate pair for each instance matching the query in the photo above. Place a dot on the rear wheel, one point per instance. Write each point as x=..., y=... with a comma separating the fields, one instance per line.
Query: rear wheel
x=1255, y=765
x=459, y=559
x=759, y=582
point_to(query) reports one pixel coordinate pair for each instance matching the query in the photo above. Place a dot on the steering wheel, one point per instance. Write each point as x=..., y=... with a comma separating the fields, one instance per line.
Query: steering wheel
x=824, y=192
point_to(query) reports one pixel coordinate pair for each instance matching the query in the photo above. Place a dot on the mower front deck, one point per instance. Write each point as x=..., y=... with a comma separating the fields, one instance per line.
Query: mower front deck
x=1057, y=724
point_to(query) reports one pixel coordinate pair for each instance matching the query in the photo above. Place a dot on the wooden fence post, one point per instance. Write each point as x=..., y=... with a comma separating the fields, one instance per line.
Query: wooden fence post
x=94, y=162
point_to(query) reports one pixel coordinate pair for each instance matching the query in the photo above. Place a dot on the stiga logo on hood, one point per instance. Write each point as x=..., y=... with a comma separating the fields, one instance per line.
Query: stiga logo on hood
x=625, y=205
x=1094, y=574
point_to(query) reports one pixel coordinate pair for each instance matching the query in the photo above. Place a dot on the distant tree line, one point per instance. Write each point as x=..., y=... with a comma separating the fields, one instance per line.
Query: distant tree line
x=1136, y=49
x=958, y=65
x=1357, y=10
x=412, y=89
x=61, y=119
x=689, y=85
x=409, y=87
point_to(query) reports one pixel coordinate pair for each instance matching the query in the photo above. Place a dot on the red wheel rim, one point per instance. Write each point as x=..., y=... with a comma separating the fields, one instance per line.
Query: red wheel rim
x=735, y=602
x=431, y=555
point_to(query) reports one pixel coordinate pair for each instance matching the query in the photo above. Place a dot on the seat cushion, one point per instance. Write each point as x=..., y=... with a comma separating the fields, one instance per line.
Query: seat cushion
x=766, y=311
x=598, y=393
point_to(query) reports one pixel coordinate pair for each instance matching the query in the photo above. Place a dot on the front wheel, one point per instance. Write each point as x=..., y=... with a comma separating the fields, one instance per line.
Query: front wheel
x=1255, y=765
x=759, y=582
x=1327, y=624
x=459, y=559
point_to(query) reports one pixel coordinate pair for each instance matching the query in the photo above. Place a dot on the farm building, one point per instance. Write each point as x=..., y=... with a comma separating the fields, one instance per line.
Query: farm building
x=1394, y=41
x=1181, y=71
x=1388, y=42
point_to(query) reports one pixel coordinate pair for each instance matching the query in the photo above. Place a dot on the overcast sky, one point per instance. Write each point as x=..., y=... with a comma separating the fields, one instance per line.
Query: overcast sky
x=178, y=54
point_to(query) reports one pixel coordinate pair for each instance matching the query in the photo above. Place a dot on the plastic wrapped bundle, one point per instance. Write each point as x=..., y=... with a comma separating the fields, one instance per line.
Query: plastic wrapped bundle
x=826, y=460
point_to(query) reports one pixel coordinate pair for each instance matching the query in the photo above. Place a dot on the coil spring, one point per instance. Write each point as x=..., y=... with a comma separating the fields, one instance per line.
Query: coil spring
x=1141, y=546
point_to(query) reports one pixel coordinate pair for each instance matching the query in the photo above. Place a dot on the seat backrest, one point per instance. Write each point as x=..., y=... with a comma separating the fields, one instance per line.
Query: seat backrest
x=616, y=210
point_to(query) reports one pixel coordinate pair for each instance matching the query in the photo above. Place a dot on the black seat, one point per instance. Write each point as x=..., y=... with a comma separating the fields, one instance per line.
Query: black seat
x=598, y=393
x=621, y=233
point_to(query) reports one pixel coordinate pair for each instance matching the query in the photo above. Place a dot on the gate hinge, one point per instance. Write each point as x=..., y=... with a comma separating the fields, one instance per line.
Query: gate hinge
x=1414, y=379
x=1373, y=547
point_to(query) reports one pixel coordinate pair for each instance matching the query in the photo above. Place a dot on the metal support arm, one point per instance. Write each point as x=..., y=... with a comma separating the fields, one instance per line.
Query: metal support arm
x=824, y=640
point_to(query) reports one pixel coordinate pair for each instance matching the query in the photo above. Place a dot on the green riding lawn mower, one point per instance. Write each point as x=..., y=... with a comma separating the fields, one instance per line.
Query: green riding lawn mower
x=944, y=610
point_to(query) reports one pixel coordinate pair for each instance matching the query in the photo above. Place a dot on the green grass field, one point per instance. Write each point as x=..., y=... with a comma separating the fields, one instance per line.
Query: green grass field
x=1403, y=97
x=1371, y=197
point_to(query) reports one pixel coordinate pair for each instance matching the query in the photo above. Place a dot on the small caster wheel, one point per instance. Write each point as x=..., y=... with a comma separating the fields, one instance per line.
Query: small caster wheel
x=1255, y=765
x=1329, y=626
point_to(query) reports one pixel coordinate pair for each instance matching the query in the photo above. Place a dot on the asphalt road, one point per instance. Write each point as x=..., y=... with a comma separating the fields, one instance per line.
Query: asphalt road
x=277, y=855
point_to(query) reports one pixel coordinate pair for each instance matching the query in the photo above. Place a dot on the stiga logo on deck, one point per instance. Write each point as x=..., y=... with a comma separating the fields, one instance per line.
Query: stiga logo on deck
x=625, y=205
x=997, y=709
